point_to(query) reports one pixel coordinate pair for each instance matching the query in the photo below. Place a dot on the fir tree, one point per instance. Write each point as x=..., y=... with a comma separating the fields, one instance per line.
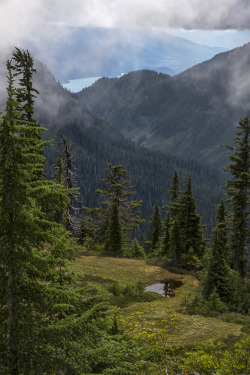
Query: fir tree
x=156, y=227
x=117, y=188
x=166, y=238
x=23, y=66
x=238, y=193
x=69, y=184
x=173, y=207
x=24, y=228
x=113, y=241
x=217, y=273
x=137, y=250
x=175, y=243
x=190, y=223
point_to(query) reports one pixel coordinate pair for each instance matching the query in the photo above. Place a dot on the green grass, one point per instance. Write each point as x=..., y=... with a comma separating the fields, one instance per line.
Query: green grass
x=190, y=329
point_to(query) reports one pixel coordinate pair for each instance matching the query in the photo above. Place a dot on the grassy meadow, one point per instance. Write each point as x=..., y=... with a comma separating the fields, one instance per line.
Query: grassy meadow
x=188, y=329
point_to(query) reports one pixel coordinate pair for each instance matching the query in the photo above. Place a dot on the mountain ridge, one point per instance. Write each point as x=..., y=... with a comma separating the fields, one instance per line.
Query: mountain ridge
x=191, y=115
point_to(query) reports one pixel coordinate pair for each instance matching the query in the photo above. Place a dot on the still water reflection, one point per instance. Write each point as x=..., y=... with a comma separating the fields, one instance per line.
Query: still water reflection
x=165, y=288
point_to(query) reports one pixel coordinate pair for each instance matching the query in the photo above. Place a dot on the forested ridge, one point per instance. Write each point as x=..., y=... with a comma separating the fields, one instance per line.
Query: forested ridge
x=190, y=115
x=56, y=321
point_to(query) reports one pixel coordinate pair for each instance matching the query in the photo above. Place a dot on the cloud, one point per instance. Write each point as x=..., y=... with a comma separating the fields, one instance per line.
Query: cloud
x=19, y=18
x=32, y=23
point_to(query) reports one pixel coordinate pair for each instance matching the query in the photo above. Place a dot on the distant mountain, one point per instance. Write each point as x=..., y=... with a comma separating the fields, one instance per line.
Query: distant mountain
x=191, y=115
x=77, y=52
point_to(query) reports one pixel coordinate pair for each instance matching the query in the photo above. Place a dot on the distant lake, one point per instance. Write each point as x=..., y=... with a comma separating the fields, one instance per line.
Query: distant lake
x=76, y=85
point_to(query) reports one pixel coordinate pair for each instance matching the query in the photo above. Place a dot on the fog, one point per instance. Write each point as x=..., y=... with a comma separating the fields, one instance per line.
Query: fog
x=19, y=19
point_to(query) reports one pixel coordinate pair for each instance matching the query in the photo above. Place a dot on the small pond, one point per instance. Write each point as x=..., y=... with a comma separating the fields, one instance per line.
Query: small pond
x=165, y=288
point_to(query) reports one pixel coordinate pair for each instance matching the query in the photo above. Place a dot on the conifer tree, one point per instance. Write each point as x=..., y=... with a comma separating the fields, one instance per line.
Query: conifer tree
x=173, y=207
x=190, y=223
x=113, y=240
x=69, y=184
x=29, y=286
x=23, y=231
x=217, y=273
x=175, y=243
x=117, y=188
x=156, y=227
x=23, y=66
x=166, y=238
x=238, y=193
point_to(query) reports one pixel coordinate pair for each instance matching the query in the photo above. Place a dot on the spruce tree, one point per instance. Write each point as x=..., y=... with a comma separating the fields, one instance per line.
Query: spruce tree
x=217, y=273
x=156, y=227
x=113, y=240
x=166, y=236
x=173, y=207
x=117, y=188
x=175, y=243
x=23, y=66
x=190, y=223
x=238, y=193
x=29, y=288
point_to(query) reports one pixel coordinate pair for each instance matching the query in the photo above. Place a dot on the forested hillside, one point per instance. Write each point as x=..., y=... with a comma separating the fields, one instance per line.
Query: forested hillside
x=191, y=115
x=97, y=143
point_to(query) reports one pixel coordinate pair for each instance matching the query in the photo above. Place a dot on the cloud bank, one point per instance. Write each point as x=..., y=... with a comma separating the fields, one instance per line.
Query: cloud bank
x=19, y=18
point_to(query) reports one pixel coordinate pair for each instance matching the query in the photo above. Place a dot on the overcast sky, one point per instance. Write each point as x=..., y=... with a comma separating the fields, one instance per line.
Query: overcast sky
x=19, y=17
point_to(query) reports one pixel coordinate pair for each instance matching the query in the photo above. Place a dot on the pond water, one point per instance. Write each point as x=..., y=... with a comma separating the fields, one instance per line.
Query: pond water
x=165, y=288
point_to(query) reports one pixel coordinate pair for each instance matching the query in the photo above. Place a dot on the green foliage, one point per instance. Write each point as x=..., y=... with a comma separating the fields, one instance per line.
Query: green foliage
x=183, y=242
x=214, y=302
x=113, y=224
x=213, y=358
x=32, y=274
x=217, y=269
x=190, y=223
x=238, y=193
x=156, y=228
x=114, y=235
x=137, y=250
x=45, y=328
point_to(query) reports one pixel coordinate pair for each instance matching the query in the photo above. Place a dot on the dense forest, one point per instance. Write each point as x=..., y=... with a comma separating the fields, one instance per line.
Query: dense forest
x=51, y=322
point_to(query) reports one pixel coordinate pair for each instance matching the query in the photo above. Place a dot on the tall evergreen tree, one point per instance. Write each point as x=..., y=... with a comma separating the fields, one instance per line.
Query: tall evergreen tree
x=173, y=207
x=69, y=184
x=175, y=243
x=217, y=273
x=166, y=236
x=117, y=188
x=29, y=287
x=113, y=240
x=156, y=227
x=190, y=223
x=23, y=66
x=238, y=193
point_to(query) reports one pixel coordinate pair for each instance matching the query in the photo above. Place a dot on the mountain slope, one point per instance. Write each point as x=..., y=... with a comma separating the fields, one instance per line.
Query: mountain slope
x=189, y=115
x=95, y=143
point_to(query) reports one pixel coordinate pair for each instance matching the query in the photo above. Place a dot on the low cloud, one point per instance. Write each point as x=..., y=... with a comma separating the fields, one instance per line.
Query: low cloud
x=19, y=19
